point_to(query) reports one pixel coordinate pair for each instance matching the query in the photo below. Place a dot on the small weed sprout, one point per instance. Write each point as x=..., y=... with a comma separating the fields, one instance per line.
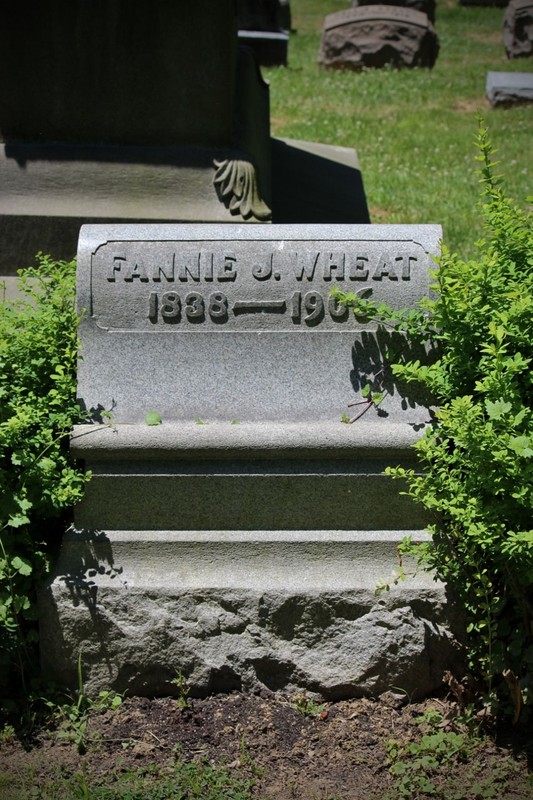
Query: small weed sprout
x=72, y=717
x=307, y=706
x=182, y=698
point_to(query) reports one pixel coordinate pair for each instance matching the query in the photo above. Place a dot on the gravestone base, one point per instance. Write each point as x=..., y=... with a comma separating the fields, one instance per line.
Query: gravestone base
x=234, y=610
x=290, y=605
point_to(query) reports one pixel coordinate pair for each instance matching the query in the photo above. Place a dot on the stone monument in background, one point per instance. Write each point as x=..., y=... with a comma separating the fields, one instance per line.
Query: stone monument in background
x=504, y=89
x=119, y=110
x=123, y=110
x=518, y=29
x=378, y=36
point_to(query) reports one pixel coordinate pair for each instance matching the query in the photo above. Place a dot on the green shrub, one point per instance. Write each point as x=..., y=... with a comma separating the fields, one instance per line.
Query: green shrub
x=477, y=454
x=38, y=481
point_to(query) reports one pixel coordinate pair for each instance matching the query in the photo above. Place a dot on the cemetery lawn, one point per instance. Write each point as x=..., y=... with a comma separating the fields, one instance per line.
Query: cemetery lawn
x=270, y=747
x=413, y=129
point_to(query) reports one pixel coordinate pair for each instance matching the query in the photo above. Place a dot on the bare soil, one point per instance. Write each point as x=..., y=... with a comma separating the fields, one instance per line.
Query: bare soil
x=334, y=752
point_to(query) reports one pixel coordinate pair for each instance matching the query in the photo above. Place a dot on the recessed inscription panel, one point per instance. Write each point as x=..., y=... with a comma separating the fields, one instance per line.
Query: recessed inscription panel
x=234, y=285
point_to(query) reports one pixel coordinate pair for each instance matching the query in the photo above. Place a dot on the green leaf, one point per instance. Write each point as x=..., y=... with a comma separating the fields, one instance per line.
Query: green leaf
x=520, y=445
x=22, y=566
x=153, y=418
x=18, y=520
x=47, y=464
x=498, y=409
x=23, y=503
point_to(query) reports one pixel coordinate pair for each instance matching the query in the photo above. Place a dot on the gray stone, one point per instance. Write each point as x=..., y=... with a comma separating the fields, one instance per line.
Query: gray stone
x=425, y=6
x=242, y=475
x=377, y=35
x=275, y=281
x=241, y=540
x=518, y=29
x=509, y=88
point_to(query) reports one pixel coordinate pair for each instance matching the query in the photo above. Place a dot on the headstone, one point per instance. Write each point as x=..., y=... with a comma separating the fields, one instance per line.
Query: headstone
x=518, y=29
x=376, y=36
x=264, y=26
x=425, y=6
x=509, y=88
x=240, y=541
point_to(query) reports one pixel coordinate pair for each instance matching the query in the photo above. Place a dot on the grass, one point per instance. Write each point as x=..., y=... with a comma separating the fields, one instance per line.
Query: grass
x=413, y=129
x=179, y=780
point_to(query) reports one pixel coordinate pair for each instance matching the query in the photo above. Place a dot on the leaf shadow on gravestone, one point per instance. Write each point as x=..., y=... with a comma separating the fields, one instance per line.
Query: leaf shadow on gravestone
x=100, y=414
x=372, y=356
x=94, y=556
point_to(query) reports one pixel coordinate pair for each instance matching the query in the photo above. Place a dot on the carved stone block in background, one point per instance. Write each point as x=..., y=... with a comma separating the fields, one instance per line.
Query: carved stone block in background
x=132, y=127
x=518, y=29
x=509, y=88
x=425, y=6
x=161, y=116
x=376, y=36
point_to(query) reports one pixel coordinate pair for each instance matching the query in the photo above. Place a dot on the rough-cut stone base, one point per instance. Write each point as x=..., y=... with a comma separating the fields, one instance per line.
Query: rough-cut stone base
x=243, y=610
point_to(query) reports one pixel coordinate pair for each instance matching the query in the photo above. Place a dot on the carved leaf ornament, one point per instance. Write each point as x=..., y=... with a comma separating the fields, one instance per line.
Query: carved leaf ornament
x=236, y=184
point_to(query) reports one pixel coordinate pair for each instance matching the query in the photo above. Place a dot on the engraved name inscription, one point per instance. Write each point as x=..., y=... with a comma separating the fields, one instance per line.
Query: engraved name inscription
x=209, y=267
x=247, y=285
